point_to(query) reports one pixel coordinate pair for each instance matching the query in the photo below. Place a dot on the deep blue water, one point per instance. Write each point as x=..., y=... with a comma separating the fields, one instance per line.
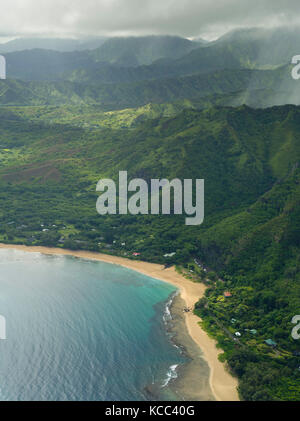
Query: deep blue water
x=81, y=330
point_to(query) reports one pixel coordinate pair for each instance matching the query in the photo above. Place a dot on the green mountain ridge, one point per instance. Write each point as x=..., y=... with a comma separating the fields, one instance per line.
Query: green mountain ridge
x=135, y=59
x=237, y=86
x=57, y=44
x=264, y=46
x=138, y=51
x=114, y=55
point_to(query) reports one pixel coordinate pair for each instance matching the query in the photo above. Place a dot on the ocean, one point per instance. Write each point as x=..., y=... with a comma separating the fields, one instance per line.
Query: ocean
x=82, y=330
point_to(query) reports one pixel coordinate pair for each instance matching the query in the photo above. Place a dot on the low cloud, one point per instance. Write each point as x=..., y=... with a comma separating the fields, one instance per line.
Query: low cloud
x=188, y=18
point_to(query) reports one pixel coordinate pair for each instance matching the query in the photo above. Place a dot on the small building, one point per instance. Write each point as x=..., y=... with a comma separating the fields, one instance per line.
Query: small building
x=136, y=254
x=227, y=294
x=233, y=321
x=197, y=263
x=238, y=334
x=253, y=331
x=270, y=342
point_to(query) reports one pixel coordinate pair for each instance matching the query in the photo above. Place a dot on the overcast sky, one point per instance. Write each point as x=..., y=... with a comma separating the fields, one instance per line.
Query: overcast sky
x=188, y=18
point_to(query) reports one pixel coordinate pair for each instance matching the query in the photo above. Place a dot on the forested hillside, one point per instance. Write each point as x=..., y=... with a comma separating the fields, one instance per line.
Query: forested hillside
x=256, y=88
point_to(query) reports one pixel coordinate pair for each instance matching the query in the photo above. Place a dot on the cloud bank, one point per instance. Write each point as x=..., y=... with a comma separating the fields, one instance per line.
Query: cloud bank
x=188, y=18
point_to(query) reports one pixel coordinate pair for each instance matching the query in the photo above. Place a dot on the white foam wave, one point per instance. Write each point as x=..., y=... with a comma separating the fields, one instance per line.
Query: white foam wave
x=171, y=374
x=167, y=313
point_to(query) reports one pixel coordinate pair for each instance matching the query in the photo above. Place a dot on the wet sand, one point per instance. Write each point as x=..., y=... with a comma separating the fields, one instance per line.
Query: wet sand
x=222, y=384
x=192, y=383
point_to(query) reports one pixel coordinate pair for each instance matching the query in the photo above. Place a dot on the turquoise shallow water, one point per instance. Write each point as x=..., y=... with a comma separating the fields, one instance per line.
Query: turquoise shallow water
x=82, y=330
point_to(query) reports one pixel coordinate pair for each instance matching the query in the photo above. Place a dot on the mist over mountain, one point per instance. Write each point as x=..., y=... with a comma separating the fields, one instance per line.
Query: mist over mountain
x=41, y=64
x=123, y=60
x=56, y=44
x=113, y=56
x=234, y=87
x=133, y=59
x=259, y=46
x=137, y=51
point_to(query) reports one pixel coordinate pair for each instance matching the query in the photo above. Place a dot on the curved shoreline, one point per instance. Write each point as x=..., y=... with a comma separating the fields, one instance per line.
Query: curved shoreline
x=223, y=385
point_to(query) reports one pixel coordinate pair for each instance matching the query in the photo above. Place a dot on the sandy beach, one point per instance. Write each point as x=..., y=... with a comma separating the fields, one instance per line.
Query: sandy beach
x=223, y=385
